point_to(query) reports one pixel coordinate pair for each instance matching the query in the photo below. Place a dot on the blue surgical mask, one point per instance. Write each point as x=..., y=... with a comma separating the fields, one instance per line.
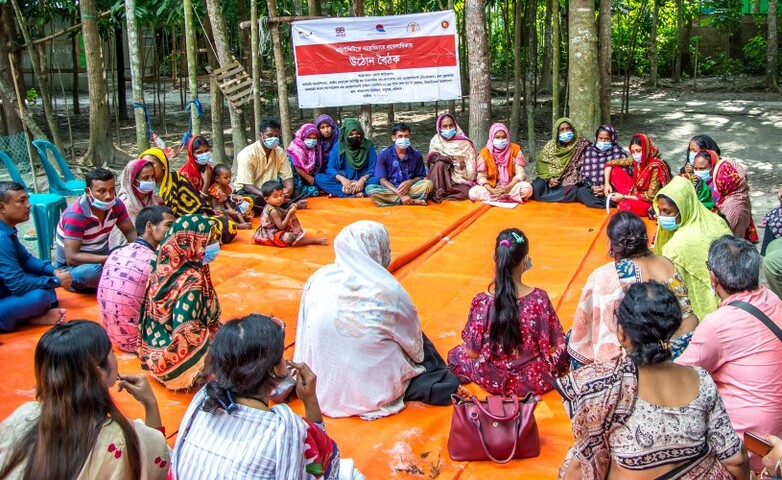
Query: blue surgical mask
x=637, y=157
x=402, y=142
x=565, y=137
x=668, y=223
x=203, y=158
x=704, y=175
x=210, y=253
x=529, y=263
x=603, y=146
x=100, y=204
x=310, y=142
x=691, y=156
x=271, y=142
x=448, y=133
x=500, y=143
x=146, y=186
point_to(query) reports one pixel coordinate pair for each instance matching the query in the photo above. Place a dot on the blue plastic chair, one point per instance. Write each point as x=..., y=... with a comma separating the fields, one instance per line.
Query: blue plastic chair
x=46, y=207
x=67, y=185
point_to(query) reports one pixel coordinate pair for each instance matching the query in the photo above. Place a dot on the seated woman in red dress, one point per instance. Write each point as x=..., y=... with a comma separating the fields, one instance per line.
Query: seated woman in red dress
x=513, y=341
x=650, y=173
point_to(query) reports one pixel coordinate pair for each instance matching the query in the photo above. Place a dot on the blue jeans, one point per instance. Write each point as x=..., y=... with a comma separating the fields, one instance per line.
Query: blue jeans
x=85, y=277
x=15, y=309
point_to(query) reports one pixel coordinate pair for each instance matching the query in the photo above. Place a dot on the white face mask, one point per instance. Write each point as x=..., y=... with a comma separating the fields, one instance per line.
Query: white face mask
x=500, y=143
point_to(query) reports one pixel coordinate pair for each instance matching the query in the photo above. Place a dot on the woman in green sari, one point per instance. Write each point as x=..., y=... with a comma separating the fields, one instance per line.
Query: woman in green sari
x=685, y=232
x=559, y=165
x=180, y=313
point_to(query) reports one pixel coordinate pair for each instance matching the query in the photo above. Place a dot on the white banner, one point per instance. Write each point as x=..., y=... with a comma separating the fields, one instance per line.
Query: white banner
x=366, y=60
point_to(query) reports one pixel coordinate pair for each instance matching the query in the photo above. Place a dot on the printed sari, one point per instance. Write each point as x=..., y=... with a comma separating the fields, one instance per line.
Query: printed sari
x=134, y=200
x=562, y=162
x=730, y=184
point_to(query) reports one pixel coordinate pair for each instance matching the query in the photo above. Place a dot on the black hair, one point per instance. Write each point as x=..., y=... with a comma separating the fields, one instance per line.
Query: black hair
x=649, y=315
x=6, y=187
x=705, y=155
x=668, y=199
x=270, y=187
x=636, y=140
x=510, y=248
x=269, y=123
x=627, y=233
x=154, y=214
x=200, y=141
x=400, y=127
x=705, y=142
x=98, y=174
x=220, y=168
x=735, y=263
x=242, y=359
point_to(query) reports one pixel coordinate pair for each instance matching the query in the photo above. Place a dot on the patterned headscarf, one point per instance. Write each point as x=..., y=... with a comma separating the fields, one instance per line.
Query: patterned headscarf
x=303, y=157
x=556, y=160
x=326, y=144
x=595, y=160
x=192, y=170
x=642, y=173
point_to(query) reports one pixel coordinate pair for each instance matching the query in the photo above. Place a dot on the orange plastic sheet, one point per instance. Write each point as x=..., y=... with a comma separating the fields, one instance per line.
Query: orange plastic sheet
x=443, y=256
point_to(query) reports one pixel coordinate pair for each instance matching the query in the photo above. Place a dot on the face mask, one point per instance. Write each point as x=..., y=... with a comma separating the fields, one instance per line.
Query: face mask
x=354, y=142
x=500, y=143
x=100, y=204
x=402, y=143
x=449, y=134
x=566, y=136
x=668, y=223
x=691, y=156
x=310, y=142
x=271, y=142
x=704, y=175
x=244, y=206
x=210, y=253
x=203, y=158
x=637, y=157
x=603, y=146
x=146, y=186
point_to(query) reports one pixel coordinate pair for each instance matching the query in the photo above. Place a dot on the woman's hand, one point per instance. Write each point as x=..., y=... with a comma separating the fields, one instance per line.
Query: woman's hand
x=138, y=386
x=607, y=190
x=774, y=457
x=553, y=182
x=688, y=168
x=305, y=389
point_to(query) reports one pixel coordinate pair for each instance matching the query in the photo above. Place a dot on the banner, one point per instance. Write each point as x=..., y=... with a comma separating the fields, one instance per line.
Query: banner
x=365, y=60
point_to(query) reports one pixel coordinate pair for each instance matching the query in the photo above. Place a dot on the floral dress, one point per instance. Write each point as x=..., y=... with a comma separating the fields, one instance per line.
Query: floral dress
x=269, y=235
x=541, y=355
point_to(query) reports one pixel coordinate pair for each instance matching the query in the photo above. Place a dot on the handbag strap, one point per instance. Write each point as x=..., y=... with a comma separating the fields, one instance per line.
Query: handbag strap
x=757, y=313
x=477, y=424
x=499, y=401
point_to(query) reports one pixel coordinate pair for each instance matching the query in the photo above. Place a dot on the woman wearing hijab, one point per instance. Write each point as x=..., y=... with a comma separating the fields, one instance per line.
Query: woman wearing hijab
x=351, y=164
x=697, y=143
x=501, y=173
x=604, y=149
x=360, y=333
x=685, y=231
x=635, y=193
x=198, y=169
x=559, y=166
x=136, y=190
x=727, y=180
x=451, y=161
x=304, y=155
x=180, y=312
x=328, y=136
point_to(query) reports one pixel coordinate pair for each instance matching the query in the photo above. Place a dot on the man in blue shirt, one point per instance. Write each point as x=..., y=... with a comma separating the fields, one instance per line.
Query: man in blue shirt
x=400, y=174
x=26, y=283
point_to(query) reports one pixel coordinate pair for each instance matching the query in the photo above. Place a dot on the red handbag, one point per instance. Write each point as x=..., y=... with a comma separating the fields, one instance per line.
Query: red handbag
x=497, y=429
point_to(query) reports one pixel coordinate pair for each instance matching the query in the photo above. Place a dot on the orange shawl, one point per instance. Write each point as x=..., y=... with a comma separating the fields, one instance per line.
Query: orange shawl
x=491, y=167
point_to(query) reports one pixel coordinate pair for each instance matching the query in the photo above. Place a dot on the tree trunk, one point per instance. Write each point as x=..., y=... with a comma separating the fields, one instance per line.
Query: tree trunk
x=479, y=67
x=545, y=73
x=136, y=76
x=515, y=114
x=653, y=45
x=51, y=119
x=772, y=54
x=256, y=67
x=390, y=109
x=192, y=63
x=451, y=103
x=282, y=84
x=8, y=96
x=122, y=95
x=101, y=149
x=216, y=105
x=529, y=83
x=555, y=46
x=604, y=59
x=677, y=61
x=583, y=89
x=365, y=112
x=76, y=68
x=224, y=58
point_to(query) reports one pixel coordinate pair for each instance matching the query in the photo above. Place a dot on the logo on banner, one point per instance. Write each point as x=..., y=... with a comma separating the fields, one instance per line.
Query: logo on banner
x=379, y=28
x=413, y=27
x=303, y=34
x=445, y=24
x=340, y=31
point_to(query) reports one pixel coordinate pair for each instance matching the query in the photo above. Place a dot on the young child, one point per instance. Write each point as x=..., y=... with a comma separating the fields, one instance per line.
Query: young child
x=238, y=208
x=280, y=227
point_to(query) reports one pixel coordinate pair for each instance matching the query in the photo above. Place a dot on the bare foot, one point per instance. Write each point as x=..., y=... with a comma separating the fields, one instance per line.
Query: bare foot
x=323, y=241
x=301, y=204
x=312, y=241
x=52, y=317
x=418, y=202
x=360, y=195
x=244, y=226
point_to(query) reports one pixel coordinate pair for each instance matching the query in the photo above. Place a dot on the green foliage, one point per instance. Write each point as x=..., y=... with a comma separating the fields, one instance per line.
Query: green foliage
x=32, y=96
x=755, y=53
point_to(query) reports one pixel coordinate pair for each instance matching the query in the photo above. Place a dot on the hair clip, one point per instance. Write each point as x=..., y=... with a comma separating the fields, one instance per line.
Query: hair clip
x=504, y=243
x=666, y=346
x=517, y=237
x=232, y=406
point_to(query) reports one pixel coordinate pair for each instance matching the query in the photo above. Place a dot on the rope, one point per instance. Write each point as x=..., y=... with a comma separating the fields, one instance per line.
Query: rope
x=264, y=36
x=146, y=115
x=198, y=17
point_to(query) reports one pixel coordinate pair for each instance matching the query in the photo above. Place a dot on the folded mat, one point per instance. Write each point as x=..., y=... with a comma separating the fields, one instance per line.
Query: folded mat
x=443, y=256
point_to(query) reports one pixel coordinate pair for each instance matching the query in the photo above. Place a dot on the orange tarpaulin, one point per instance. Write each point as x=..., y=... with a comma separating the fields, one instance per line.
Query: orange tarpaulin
x=442, y=254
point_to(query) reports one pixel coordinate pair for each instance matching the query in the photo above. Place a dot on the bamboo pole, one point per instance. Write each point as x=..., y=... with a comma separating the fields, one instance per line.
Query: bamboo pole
x=192, y=65
x=136, y=76
x=282, y=86
x=256, y=67
x=66, y=31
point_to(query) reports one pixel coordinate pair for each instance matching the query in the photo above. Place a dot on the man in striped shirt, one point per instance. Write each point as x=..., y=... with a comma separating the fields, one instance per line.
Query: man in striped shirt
x=82, y=241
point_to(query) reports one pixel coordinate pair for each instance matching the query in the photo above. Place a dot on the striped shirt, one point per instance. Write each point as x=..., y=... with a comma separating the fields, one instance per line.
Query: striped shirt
x=79, y=223
x=248, y=444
